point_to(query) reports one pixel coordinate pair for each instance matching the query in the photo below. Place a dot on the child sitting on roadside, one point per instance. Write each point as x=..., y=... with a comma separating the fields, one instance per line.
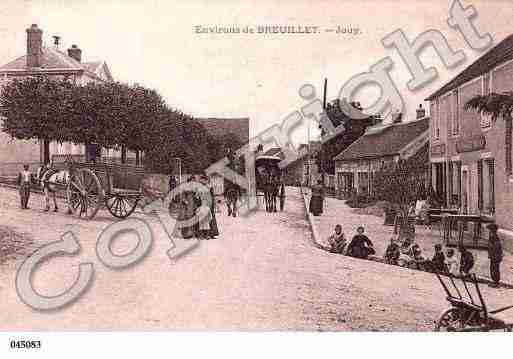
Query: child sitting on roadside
x=337, y=241
x=406, y=253
x=437, y=264
x=392, y=253
x=451, y=262
x=360, y=246
x=466, y=261
x=417, y=260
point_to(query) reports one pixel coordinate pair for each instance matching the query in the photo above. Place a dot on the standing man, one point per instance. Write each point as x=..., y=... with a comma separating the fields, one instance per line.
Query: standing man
x=24, y=181
x=495, y=254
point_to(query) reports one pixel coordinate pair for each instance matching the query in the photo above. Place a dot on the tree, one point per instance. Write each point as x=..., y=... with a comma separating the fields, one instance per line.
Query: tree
x=37, y=108
x=497, y=105
x=401, y=185
x=353, y=129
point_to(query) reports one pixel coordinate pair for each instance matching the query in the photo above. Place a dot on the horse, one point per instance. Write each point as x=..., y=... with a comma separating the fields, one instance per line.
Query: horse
x=50, y=181
x=231, y=196
x=271, y=188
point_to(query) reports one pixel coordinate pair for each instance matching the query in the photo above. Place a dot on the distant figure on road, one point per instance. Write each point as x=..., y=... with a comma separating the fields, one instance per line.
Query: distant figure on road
x=495, y=253
x=337, y=241
x=466, y=261
x=360, y=246
x=317, y=199
x=24, y=181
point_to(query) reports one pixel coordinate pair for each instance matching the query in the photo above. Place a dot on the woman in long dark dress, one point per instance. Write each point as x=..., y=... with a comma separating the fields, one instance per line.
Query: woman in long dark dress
x=188, y=211
x=360, y=246
x=317, y=199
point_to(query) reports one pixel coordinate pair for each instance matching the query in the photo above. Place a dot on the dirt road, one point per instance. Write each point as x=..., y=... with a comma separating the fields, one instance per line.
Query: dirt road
x=262, y=273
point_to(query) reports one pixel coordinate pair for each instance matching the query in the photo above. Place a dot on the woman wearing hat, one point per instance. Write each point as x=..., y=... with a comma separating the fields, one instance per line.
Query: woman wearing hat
x=495, y=254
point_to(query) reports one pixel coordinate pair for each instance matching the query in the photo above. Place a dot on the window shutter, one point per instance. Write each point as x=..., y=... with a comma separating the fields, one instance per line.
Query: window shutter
x=491, y=176
x=480, y=184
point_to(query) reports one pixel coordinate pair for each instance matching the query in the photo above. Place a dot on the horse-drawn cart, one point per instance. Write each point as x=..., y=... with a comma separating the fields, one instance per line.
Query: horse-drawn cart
x=91, y=186
x=468, y=313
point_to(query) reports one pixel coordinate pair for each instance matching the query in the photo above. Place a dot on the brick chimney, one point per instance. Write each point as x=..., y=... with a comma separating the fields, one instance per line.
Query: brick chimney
x=421, y=112
x=75, y=53
x=34, y=46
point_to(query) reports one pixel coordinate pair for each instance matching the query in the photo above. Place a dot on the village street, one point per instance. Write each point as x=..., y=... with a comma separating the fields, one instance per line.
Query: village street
x=262, y=273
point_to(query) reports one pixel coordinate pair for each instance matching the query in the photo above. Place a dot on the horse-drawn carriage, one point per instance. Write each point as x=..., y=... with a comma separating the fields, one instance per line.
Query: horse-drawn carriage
x=269, y=182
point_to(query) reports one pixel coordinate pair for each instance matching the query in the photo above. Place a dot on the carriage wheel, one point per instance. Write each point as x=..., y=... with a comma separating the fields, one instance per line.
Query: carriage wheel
x=84, y=193
x=449, y=321
x=121, y=206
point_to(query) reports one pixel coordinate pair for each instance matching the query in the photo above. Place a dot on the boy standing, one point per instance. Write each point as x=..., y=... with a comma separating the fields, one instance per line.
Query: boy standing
x=24, y=181
x=495, y=254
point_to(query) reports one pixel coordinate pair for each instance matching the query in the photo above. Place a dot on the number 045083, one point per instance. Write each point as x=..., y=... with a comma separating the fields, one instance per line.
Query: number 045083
x=25, y=344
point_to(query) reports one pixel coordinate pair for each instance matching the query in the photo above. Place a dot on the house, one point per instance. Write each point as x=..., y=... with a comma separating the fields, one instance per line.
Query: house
x=470, y=155
x=380, y=146
x=222, y=126
x=218, y=127
x=52, y=62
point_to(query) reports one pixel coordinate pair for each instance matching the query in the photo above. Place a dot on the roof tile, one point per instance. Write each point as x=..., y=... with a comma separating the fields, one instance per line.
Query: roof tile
x=390, y=140
x=501, y=53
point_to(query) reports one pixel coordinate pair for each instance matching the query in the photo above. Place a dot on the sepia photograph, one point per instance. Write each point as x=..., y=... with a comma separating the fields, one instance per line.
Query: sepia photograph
x=255, y=166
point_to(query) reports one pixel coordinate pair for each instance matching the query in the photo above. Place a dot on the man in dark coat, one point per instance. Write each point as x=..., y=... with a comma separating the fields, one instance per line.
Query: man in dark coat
x=25, y=179
x=495, y=254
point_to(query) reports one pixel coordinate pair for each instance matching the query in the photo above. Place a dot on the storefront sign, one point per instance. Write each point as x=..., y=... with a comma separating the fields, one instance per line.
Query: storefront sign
x=470, y=144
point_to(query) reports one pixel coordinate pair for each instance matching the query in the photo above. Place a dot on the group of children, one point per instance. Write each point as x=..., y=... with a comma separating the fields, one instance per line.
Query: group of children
x=409, y=254
x=359, y=247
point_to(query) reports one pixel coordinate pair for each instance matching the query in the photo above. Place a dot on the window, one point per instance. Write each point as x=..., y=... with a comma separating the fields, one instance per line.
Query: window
x=456, y=113
x=486, y=120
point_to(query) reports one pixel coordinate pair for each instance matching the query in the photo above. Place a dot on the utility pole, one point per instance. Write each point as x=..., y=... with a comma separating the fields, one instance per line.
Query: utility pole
x=308, y=157
x=321, y=153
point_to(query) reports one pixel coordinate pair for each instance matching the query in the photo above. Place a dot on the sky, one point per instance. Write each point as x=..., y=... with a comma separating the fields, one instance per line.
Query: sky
x=156, y=44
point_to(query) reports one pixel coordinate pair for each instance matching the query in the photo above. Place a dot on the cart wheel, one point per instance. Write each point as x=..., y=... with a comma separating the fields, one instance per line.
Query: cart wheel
x=449, y=321
x=121, y=206
x=84, y=193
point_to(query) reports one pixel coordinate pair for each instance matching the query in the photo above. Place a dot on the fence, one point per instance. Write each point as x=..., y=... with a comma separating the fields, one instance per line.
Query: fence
x=105, y=160
x=11, y=169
